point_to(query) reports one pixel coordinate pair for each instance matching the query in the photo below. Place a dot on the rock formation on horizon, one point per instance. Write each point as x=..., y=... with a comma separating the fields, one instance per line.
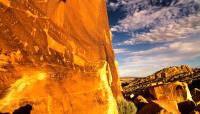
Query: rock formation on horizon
x=171, y=71
x=166, y=73
x=56, y=56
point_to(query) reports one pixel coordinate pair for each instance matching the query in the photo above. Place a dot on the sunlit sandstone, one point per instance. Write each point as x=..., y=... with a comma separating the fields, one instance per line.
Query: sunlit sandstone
x=168, y=96
x=175, y=91
x=57, y=57
x=172, y=71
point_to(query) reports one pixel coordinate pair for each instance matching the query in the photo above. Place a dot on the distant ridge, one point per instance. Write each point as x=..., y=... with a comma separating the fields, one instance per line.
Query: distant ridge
x=163, y=73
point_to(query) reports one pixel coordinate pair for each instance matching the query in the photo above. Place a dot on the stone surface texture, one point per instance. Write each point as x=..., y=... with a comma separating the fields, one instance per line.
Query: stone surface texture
x=56, y=55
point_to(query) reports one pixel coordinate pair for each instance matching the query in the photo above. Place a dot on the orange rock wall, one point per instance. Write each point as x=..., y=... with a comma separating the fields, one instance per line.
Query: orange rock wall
x=57, y=56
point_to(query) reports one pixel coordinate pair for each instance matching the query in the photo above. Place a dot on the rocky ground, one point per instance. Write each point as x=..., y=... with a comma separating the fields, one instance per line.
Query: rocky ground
x=174, y=97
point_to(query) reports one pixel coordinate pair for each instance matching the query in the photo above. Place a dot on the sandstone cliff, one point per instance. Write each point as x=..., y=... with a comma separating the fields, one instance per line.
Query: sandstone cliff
x=57, y=57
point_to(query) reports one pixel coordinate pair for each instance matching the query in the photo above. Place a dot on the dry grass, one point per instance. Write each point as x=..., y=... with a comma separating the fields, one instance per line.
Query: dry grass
x=126, y=107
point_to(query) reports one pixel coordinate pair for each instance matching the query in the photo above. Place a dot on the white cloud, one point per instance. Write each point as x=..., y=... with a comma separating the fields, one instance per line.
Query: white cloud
x=165, y=23
x=120, y=50
x=114, y=5
x=175, y=27
x=169, y=32
x=143, y=63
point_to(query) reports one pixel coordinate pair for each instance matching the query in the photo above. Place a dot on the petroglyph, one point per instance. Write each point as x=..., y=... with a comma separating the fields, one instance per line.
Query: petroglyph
x=33, y=32
x=54, y=44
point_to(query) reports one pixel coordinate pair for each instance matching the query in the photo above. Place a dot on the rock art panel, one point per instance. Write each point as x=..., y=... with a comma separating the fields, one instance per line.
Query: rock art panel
x=56, y=57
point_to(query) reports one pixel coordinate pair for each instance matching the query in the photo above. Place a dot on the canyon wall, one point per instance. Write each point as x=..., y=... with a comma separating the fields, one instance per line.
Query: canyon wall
x=57, y=57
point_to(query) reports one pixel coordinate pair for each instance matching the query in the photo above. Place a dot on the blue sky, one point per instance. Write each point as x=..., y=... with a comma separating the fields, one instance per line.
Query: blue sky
x=149, y=35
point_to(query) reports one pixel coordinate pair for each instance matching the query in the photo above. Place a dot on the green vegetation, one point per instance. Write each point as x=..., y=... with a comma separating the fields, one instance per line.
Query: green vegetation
x=126, y=107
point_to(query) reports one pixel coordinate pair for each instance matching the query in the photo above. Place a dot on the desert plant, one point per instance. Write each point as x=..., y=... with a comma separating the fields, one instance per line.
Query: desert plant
x=126, y=107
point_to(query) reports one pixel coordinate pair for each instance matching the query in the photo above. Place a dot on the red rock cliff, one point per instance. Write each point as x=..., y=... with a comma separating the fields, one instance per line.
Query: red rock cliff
x=56, y=55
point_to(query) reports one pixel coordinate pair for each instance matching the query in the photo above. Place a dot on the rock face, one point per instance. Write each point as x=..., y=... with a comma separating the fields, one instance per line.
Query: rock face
x=171, y=71
x=56, y=57
x=175, y=91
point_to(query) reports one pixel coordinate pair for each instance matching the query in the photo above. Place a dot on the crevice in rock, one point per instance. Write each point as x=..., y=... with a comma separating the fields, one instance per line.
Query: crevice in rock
x=23, y=110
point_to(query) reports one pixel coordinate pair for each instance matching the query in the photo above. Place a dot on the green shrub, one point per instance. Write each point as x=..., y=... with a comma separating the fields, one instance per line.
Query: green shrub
x=126, y=107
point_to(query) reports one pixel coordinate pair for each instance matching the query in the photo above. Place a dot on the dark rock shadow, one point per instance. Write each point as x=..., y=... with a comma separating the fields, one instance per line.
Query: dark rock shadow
x=23, y=110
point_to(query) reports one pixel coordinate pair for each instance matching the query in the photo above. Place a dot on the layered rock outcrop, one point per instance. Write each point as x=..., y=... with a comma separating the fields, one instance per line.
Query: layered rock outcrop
x=57, y=57
x=171, y=71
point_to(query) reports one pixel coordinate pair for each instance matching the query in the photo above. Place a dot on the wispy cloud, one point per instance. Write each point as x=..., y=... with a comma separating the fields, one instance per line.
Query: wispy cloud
x=120, y=50
x=145, y=62
x=173, y=24
x=169, y=32
x=161, y=22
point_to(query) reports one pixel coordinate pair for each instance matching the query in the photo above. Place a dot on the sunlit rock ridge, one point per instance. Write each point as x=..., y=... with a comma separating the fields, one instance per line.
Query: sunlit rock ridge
x=56, y=56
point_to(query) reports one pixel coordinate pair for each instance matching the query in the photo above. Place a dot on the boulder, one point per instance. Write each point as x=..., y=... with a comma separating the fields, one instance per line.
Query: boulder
x=140, y=102
x=160, y=107
x=186, y=107
x=176, y=91
x=196, y=95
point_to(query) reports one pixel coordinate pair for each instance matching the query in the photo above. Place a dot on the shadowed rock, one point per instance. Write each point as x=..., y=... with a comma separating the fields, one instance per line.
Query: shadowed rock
x=140, y=102
x=23, y=110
